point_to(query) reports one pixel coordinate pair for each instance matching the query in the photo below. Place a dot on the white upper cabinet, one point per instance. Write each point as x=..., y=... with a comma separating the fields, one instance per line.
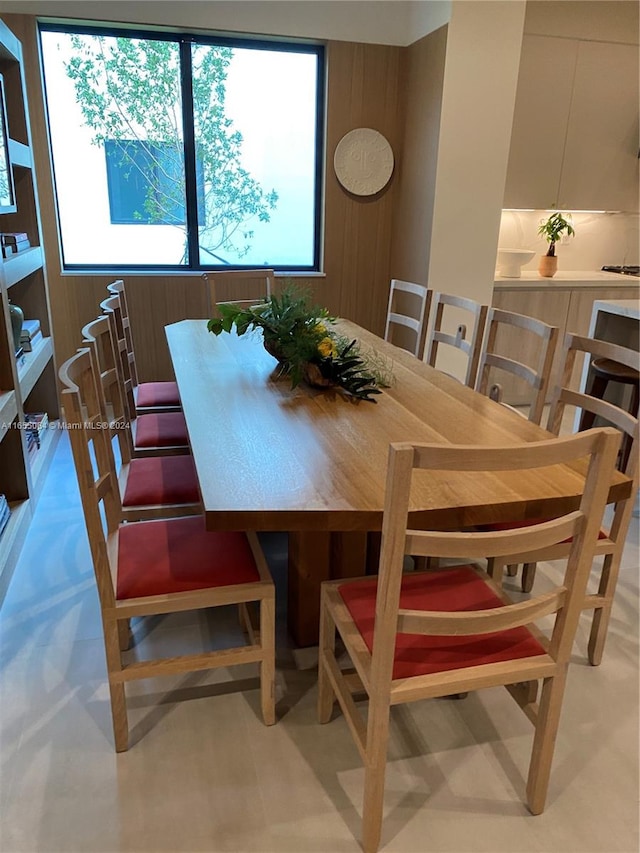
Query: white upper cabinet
x=600, y=166
x=574, y=142
x=543, y=100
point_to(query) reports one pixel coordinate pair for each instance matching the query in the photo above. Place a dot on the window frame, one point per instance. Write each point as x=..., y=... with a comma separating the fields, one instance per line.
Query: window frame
x=185, y=40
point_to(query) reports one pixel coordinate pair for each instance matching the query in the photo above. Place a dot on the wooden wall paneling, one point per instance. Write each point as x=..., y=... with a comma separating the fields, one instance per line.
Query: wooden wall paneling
x=75, y=301
x=421, y=82
x=154, y=302
x=363, y=83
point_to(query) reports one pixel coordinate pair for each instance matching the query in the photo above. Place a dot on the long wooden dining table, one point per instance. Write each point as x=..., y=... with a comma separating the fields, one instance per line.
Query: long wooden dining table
x=313, y=462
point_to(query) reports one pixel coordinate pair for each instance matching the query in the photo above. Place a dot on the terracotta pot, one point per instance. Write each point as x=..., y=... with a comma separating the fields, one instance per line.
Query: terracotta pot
x=548, y=266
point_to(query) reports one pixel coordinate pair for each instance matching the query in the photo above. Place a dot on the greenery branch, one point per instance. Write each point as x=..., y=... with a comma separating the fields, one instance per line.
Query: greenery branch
x=129, y=93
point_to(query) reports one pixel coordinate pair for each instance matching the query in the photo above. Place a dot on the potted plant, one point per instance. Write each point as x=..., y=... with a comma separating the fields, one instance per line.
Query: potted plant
x=298, y=335
x=551, y=229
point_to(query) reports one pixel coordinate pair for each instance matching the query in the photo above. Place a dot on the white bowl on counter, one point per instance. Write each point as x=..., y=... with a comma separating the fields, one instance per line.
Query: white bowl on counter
x=511, y=261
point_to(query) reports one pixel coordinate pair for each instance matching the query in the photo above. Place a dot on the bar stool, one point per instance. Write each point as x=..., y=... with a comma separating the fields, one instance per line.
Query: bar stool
x=604, y=371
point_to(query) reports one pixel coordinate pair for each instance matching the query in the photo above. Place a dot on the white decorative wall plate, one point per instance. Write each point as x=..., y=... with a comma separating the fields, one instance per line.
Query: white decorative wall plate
x=363, y=161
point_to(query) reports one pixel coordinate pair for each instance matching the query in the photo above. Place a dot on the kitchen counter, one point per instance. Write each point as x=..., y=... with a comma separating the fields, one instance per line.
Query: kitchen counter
x=618, y=307
x=563, y=279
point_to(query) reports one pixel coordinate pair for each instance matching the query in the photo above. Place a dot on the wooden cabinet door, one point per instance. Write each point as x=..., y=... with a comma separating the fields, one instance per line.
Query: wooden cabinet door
x=550, y=306
x=540, y=121
x=600, y=165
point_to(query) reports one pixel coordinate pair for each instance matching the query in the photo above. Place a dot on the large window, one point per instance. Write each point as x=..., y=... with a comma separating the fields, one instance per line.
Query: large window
x=184, y=151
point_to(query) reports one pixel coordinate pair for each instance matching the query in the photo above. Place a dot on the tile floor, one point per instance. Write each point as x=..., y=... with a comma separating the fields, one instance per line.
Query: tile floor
x=204, y=774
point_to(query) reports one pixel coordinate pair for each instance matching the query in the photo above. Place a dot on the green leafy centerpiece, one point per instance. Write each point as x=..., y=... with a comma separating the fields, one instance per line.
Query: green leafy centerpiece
x=299, y=336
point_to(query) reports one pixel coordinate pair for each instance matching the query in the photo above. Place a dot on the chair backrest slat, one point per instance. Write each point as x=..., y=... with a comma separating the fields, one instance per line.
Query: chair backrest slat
x=536, y=375
x=98, y=335
x=112, y=309
x=239, y=287
x=117, y=290
x=467, y=337
x=408, y=307
x=481, y=621
x=81, y=394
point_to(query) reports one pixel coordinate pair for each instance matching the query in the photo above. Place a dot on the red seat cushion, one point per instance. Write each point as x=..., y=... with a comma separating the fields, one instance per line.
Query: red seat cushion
x=178, y=555
x=451, y=590
x=161, y=480
x=157, y=394
x=529, y=522
x=166, y=429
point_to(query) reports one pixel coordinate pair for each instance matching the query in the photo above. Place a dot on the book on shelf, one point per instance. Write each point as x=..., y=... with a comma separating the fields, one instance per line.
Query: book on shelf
x=36, y=422
x=12, y=237
x=28, y=344
x=29, y=327
x=5, y=513
x=9, y=249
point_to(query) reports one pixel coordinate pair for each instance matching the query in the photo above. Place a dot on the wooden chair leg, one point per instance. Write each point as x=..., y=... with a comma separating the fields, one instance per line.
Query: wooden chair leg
x=119, y=716
x=113, y=629
x=268, y=664
x=602, y=615
x=597, y=389
x=377, y=737
x=327, y=643
x=547, y=722
x=627, y=442
x=528, y=576
x=512, y=570
x=495, y=569
x=124, y=634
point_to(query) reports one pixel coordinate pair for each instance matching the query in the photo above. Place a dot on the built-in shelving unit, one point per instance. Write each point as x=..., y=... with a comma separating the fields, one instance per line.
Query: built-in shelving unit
x=27, y=381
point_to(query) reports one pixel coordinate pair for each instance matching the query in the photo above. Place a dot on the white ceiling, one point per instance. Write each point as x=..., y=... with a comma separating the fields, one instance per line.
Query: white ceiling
x=395, y=22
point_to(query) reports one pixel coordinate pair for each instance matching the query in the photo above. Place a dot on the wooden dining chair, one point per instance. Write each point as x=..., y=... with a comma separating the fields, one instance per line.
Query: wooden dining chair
x=152, y=433
x=150, y=486
x=611, y=539
x=147, y=396
x=240, y=287
x=467, y=338
x=421, y=635
x=147, y=568
x=499, y=357
x=407, y=315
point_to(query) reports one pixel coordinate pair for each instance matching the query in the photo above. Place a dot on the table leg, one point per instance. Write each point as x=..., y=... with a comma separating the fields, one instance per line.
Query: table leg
x=315, y=556
x=348, y=555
